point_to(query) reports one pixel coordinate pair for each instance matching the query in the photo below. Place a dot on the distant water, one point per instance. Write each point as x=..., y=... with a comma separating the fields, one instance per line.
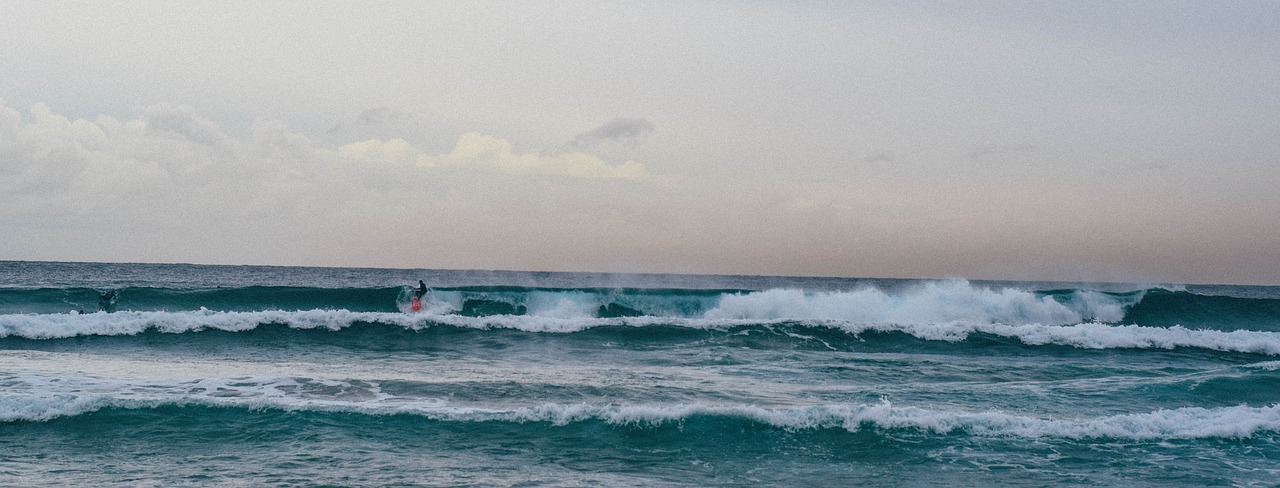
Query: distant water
x=280, y=376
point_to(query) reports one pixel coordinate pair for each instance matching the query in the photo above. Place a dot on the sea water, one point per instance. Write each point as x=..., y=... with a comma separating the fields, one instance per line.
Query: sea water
x=282, y=376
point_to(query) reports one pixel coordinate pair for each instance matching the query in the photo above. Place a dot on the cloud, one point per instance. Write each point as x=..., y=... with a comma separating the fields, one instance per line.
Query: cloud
x=168, y=168
x=166, y=184
x=626, y=130
x=478, y=149
x=392, y=151
x=181, y=122
x=374, y=117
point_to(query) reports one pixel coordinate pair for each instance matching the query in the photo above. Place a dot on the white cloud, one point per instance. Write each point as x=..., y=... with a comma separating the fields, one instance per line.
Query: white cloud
x=167, y=176
x=482, y=151
x=10, y=119
x=478, y=149
x=392, y=151
x=181, y=122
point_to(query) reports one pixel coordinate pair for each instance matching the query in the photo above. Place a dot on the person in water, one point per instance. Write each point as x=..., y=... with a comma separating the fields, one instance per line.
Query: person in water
x=107, y=301
x=416, y=303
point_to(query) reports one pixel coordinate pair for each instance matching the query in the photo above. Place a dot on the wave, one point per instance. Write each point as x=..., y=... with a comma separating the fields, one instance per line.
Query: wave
x=1165, y=424
x=1090, y=335
x=1160, y=307
x=1182, y=423
x=930, y=301
x=251, y=298
x=936, y=302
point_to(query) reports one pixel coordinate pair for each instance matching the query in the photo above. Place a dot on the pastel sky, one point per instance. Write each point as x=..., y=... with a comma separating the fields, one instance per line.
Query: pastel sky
x=1060, y=140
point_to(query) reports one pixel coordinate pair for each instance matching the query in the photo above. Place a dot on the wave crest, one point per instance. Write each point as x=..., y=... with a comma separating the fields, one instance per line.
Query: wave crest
x=1165, y=424
x=1091, y=335
x=929, y=303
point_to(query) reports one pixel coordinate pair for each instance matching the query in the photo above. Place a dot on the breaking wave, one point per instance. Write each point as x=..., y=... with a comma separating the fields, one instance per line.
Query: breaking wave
x=1089, y=335
x=1164, y=424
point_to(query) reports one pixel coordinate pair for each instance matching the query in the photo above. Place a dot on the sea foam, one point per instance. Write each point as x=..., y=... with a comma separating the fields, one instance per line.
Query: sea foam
x=1165, y=424
x=931, y=302
x=1091, y=335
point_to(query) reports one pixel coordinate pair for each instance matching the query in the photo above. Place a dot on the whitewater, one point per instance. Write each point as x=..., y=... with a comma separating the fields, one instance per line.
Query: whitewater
x=189, y=375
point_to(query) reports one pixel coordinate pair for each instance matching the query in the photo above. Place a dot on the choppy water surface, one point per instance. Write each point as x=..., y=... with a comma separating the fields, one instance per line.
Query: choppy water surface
x=209, y=375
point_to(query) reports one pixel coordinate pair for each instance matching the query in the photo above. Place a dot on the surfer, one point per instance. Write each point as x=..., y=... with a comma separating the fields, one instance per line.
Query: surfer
x=107, y=301
x=416, y=303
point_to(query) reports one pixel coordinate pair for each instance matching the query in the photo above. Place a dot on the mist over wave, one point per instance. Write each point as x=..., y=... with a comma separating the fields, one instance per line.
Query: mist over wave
x=932, y=302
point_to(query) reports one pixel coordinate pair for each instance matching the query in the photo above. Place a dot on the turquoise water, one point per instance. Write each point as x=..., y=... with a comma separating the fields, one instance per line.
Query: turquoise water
x=276, y=376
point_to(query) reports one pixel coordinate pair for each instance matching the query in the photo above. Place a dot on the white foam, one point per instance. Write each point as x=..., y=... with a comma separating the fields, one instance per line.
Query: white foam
x=1267, y=365
x=56, y=326
x=1182, y=423
x=1103, y=307
x=42, y=408
x=1106, y=336
x=1165, y=424
x=927, y=303
x=1090, y=335
x=42, y=398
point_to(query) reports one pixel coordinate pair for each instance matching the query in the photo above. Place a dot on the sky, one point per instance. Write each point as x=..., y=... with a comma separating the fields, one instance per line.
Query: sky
x=1059, y=140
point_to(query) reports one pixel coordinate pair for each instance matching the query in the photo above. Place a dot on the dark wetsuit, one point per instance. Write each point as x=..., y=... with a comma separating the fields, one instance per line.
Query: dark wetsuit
x=422, y=290
x=107, y=301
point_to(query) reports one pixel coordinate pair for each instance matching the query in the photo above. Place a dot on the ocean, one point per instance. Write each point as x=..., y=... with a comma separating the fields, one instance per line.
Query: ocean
x=195, y=375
